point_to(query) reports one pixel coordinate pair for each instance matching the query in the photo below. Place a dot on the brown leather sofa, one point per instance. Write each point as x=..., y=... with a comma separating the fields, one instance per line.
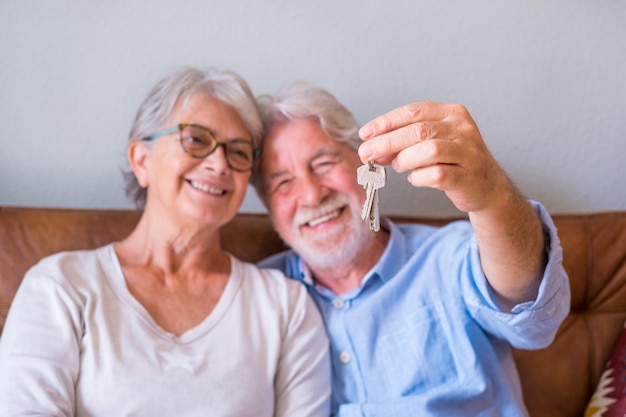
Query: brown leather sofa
x=557, y=381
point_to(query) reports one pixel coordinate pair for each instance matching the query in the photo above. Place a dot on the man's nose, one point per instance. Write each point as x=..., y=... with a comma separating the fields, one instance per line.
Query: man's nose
x=311, y=190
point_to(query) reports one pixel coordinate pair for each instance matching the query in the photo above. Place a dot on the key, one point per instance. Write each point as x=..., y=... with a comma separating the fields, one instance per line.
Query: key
x=369, y=200
x=374, y=218
x=371, y=177
x=365, y=178
x=375, y=178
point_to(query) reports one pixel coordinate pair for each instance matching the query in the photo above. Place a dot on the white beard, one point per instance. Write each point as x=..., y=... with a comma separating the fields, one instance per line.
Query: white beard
x=335, y=247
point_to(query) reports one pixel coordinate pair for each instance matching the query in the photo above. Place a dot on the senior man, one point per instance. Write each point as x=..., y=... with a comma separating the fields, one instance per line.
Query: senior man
x=420, y=318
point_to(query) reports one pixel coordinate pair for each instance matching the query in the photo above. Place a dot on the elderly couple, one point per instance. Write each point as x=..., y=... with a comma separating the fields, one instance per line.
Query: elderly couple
x=411, y=320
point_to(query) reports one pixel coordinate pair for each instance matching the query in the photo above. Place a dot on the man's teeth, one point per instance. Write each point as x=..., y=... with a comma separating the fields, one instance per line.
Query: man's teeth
x=324, y=218
x=206, y=188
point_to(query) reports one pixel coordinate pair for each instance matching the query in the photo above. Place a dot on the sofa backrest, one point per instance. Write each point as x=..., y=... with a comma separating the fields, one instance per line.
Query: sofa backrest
x=557, y=381
x=28, y=234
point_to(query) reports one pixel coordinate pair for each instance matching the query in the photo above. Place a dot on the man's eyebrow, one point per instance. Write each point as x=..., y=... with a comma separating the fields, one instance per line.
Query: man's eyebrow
x=324, y=152
x=275, y=175
x=320, y=153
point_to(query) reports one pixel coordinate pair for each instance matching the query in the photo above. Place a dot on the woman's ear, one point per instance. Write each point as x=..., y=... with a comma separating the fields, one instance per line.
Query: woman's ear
x=137, y=158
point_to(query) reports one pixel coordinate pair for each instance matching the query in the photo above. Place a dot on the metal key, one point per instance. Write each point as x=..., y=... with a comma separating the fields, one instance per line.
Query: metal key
x=371, y=177
x=374, y=218
x=365, y=177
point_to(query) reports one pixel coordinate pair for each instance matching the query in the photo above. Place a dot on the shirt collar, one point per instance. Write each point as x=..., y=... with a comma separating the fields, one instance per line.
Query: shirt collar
x=390, y=262
x=394, y=256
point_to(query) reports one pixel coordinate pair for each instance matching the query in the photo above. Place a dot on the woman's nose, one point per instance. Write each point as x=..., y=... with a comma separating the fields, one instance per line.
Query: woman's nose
x=217, y=159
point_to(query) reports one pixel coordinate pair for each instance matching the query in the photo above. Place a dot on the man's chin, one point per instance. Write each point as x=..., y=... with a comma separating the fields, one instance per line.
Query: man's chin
x=322, y=236
x=321, y=257
x=329, y=249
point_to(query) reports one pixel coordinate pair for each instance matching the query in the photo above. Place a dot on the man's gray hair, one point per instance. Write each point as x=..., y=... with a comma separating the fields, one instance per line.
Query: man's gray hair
x=305, y=100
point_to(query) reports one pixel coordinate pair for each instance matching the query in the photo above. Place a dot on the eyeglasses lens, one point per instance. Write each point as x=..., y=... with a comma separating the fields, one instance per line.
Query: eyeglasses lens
x=199, y=143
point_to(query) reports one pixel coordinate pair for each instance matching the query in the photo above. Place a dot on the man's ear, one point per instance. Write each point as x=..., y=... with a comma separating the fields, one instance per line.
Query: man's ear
x=137, y=158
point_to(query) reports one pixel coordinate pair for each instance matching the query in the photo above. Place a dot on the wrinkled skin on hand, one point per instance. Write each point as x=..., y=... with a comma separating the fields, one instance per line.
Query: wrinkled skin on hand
x=441, y=146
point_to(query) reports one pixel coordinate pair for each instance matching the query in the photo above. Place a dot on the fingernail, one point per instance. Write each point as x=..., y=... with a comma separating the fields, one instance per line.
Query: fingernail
x=365, y=132
x=366, y=151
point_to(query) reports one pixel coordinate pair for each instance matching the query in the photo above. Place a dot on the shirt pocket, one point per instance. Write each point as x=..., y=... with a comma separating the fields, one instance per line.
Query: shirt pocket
x=417, y=355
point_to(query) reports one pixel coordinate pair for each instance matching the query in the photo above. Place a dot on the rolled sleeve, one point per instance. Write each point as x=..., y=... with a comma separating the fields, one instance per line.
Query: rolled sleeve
x=532, y=324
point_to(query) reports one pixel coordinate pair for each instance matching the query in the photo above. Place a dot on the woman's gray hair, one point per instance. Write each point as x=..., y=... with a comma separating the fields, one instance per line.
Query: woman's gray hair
x=155, y=111
x=305, y=100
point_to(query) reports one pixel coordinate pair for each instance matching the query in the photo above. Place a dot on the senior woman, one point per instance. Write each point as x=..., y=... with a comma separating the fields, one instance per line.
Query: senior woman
x=165, y=322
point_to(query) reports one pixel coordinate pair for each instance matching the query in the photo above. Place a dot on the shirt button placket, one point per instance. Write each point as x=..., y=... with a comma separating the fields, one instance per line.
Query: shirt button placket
x=339, y=304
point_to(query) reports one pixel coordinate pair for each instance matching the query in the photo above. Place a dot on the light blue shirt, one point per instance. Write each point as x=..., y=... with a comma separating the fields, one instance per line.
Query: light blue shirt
x=424, y=335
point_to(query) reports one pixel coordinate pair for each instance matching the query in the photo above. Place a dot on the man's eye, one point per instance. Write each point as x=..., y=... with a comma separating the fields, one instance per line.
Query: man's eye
x=323, y=167
x=280, y=185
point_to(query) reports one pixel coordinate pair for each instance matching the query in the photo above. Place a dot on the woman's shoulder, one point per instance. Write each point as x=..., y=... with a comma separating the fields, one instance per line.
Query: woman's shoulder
x=270, y=291
x=72, y=257
x=270, y=278
x=66, y=265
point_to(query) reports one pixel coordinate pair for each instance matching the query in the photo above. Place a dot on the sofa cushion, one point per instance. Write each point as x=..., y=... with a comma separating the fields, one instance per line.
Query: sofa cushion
x=557, y=381
x=609, y=399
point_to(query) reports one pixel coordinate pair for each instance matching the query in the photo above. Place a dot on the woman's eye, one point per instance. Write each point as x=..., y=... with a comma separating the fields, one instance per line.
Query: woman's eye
x=240, y=152
x=195, y=140
x=243, y=154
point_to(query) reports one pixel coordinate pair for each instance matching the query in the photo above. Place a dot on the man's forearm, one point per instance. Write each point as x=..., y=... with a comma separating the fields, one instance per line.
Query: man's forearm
x=512, y=249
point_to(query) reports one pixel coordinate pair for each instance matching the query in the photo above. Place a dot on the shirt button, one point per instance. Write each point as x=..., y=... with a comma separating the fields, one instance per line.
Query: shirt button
x=344, y=357
x=338, y=303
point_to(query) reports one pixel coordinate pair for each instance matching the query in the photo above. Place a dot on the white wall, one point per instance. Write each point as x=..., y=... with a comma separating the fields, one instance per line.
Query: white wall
x=545, y=80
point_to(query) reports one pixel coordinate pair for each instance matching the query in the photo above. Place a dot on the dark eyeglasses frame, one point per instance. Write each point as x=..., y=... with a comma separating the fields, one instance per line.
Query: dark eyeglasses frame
x=256, y=152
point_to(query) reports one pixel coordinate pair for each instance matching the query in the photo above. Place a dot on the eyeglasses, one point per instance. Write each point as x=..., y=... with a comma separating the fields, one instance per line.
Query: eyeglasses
x=199, y=142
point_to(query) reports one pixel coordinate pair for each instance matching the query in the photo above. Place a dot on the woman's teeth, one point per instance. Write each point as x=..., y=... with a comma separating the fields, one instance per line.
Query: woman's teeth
x=207, y=188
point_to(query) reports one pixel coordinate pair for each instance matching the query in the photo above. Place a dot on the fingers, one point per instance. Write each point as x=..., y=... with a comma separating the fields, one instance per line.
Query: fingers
x=384, y=147
x=402, y=116
x=389, y=134
x=441, y=147
x=428, y=153
x=440, y=176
